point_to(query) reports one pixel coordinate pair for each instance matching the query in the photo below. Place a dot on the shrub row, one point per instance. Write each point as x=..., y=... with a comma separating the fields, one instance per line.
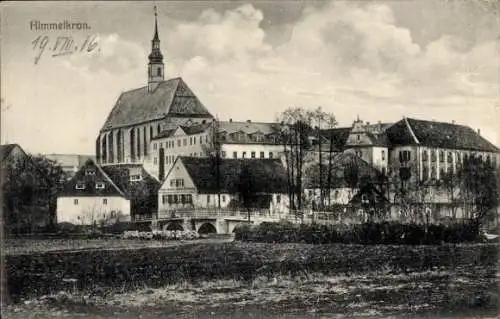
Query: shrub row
x=162, y=235
x=391, y=233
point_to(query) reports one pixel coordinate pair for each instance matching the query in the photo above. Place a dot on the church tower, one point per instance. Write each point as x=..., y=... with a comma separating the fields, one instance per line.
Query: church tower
x=155, y=65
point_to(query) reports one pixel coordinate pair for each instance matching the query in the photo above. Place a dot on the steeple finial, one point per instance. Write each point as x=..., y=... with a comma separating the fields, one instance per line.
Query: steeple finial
x=156, y=38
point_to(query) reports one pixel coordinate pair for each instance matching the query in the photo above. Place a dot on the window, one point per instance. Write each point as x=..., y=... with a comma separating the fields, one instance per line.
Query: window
x=99, y=186
x=172, y=182
x=336, y=194
x=164, y=199
x=208, y=199
x=235, y=154
x=189, y=199
x=155, y=160
x=244, y=154
x=135, y=177
x=433, y=173
x=383, y=155
x=270, y=154
x=105, y=201
x=201, y=140
x=80, y=186
x=75, y=201
x=223, y=198
x=441, y=156
x=183, y=199
x=252, y=154
x=161, y=145
x=195, y=154
x=158, y=72
x=404, y=156
x=194, y=140
x=433, y=156
x=425, y=156
x=358, y=137
x=441, y=173
x=155, y=146
x=185, y=142
x=450, y=157
x=223, y=154
x=278, y=199
x=179, y=143
x=170, y=199
x=190, y=140
x=89, y=172
x=176, y=199
x=261, y=154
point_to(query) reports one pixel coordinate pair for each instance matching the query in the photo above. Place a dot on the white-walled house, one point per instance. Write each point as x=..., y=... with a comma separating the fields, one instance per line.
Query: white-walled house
x=191, y=184
x=113, y=193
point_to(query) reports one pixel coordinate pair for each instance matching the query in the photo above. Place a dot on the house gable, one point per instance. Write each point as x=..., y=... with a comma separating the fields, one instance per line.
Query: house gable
x=178, y=172
x=91, y=180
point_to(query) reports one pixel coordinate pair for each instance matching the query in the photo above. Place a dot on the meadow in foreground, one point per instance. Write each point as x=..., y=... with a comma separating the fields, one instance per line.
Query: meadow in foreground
x=223, y=280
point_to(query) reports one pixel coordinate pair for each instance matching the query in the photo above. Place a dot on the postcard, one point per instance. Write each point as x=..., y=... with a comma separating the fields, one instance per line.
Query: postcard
x=243, y=159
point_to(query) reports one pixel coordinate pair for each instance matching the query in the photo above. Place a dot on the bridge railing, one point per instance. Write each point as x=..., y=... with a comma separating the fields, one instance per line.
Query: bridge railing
x=218, y=213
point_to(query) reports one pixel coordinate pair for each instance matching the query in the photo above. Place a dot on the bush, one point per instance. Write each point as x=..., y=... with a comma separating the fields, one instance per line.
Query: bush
x=367, y=234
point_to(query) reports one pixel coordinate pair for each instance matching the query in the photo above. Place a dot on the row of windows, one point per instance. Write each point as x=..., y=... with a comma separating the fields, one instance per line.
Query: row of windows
x=177, y=182
x=104, y=201
x=177, y=199
x=181, y=142
x=252, y=154
x=81, y=186
x=405, y=156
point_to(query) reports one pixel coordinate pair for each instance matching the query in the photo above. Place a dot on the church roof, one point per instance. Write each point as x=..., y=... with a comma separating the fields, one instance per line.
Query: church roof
x=172, y=98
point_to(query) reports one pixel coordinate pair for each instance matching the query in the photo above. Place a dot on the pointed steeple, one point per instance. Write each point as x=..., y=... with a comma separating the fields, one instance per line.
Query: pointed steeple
x=156, y=38
x=155, y=66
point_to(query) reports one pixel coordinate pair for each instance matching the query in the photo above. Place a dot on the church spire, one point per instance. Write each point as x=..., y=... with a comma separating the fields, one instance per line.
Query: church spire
x=155, y=66
x=156, y=38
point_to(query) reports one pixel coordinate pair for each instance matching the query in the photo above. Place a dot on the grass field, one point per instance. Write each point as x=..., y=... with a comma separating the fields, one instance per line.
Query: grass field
x=221, y=281
x=29, y=246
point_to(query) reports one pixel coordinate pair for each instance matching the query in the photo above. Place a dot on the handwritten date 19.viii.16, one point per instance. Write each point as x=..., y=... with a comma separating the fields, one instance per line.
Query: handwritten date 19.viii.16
x=63, y=45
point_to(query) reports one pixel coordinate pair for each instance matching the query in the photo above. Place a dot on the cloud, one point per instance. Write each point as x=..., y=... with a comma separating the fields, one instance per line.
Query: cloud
x=113, y=54
x=348, y=57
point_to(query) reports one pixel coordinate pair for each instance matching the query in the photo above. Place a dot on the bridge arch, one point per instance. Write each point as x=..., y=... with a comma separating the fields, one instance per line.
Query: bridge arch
x=207, y=228
x=173, y=226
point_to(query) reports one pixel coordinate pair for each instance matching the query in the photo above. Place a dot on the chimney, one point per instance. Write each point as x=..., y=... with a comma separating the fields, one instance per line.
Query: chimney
x=248, y=121
x=453, y=122
x=479, y=131
x=230, y=120
x=367, y=123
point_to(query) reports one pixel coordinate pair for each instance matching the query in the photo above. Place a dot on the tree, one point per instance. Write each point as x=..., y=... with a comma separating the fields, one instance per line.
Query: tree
x=479, y=187
x=297, y=134
x=213, y=151
x=246, y=189
x=297, y=145
x=29, y=189
x=319, y=118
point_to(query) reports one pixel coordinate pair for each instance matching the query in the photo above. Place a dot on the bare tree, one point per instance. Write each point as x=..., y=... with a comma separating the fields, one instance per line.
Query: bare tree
x=213, y=150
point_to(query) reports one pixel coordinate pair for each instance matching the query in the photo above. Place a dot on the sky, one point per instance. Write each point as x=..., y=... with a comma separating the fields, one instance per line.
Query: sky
x=436, y=60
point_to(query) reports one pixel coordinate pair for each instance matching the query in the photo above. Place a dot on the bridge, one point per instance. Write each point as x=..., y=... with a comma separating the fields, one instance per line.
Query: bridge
x=220, y=221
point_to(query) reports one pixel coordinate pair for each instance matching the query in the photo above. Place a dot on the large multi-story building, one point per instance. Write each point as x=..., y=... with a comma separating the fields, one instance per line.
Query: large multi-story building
x=70, y=163
x=141, y=114
x=237, y=140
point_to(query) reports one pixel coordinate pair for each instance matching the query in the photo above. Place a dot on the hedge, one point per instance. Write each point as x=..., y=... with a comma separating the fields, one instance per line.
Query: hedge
x=390, y=233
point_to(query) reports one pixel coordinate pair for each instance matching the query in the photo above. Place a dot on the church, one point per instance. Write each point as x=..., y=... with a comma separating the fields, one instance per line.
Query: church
x=141, y=114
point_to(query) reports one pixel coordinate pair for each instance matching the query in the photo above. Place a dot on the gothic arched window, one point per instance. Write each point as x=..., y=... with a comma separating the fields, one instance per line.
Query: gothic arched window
x=158, y=72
